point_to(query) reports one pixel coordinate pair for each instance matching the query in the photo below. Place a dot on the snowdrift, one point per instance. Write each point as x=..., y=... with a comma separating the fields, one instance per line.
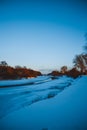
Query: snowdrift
x=67, y=110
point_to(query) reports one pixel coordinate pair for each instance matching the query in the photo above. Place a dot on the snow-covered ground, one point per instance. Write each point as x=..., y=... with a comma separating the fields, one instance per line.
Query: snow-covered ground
x=46, y=104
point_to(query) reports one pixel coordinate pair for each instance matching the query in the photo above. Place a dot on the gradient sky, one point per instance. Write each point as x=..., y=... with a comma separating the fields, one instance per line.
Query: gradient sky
x=42, y=34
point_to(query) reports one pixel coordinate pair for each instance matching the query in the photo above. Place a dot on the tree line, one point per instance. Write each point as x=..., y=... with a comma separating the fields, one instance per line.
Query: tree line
x=80, y=65
x=17, y=72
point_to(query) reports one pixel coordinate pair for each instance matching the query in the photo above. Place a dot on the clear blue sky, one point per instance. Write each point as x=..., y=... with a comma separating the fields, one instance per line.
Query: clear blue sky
x=42, y=34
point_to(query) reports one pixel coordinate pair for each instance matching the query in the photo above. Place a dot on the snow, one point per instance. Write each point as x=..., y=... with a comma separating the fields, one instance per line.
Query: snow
x=59, y=104
x=8, y=83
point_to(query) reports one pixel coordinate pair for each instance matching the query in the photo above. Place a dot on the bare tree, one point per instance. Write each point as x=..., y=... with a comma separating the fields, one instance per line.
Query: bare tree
x=80, y=62
x=64, y=69
x=3, y=63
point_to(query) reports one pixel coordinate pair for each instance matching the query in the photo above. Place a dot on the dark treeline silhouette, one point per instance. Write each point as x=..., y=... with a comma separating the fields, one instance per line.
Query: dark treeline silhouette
x=8, y=72
x=18, y=72
x=71, y=73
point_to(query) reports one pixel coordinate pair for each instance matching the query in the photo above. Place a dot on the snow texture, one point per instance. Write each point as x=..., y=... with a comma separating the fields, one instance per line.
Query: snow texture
x=47, y=104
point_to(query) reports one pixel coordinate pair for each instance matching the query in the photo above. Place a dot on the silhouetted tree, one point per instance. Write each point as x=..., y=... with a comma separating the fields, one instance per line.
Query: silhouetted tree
x=64, y=69
x=80, y=62
x=3, y=63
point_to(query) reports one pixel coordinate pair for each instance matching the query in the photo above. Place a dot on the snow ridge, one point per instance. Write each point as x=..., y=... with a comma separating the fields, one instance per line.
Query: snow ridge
x=14, y=98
